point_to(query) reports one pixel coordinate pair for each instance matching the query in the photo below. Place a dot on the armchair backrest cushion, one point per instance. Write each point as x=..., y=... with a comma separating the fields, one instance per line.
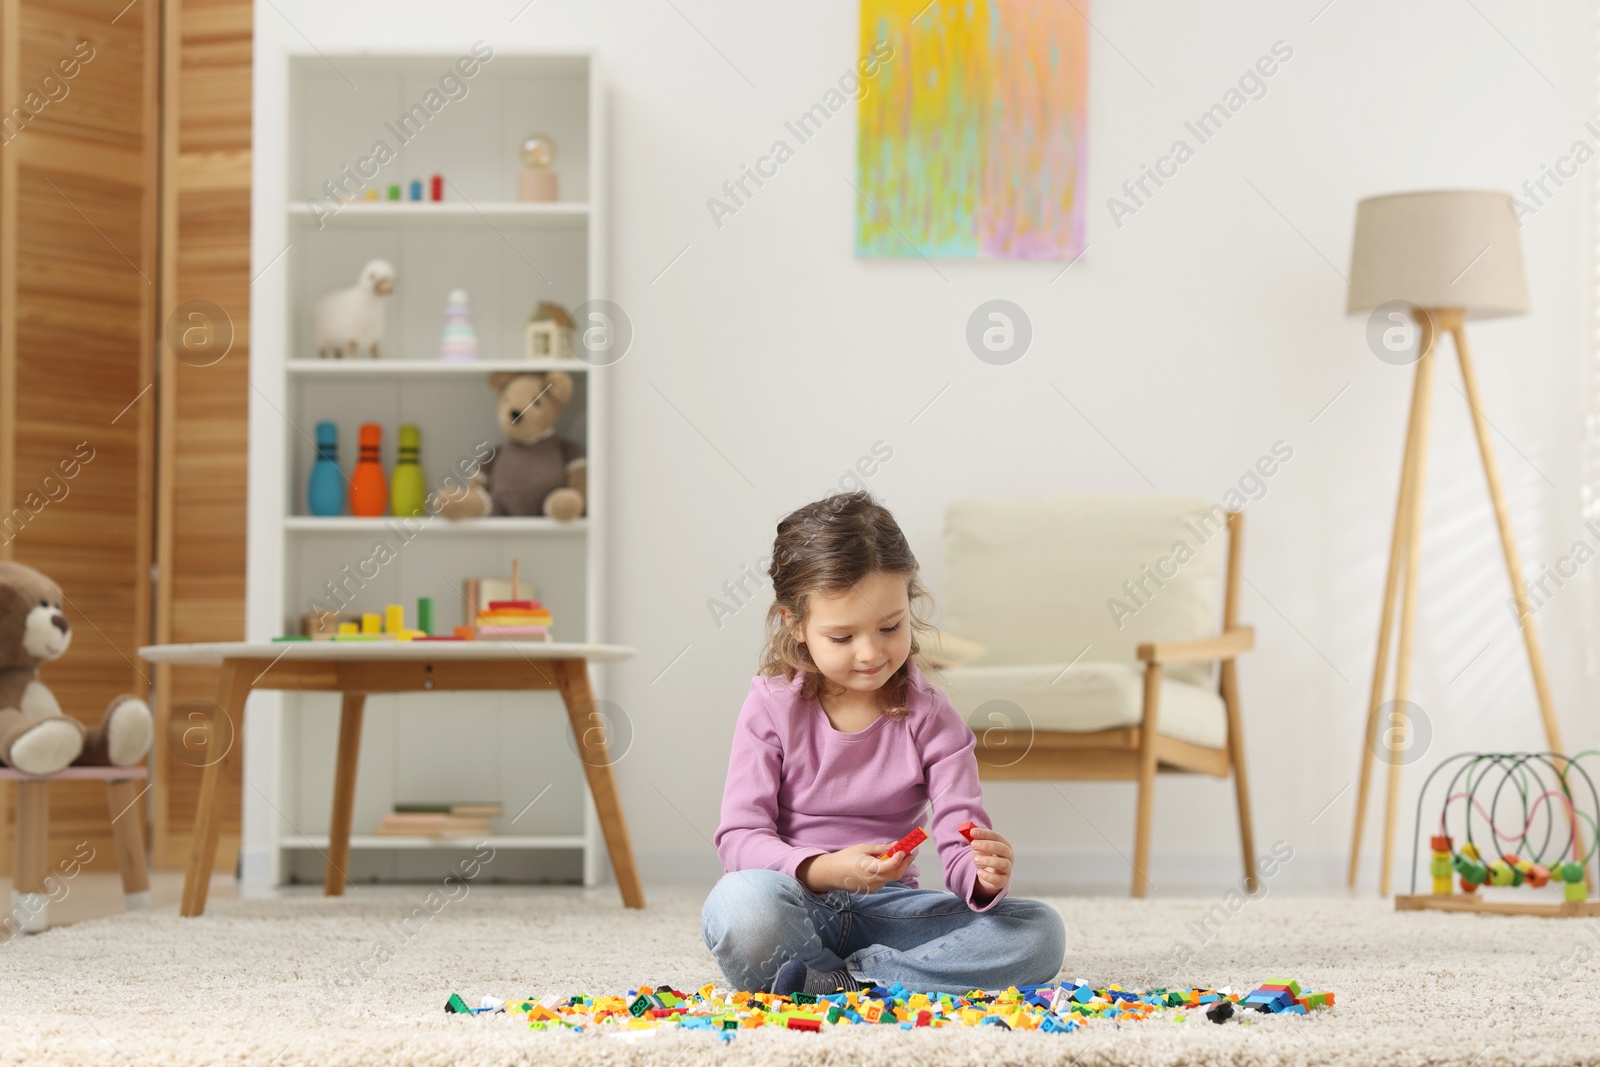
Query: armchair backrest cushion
x=1036, y=580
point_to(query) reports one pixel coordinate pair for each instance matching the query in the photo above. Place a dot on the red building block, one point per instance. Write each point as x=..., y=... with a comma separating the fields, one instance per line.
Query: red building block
x=907, y=843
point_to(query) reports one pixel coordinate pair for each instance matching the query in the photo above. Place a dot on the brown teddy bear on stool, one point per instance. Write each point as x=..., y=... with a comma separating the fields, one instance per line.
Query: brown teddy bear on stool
x=533, y=472
x=35, y=737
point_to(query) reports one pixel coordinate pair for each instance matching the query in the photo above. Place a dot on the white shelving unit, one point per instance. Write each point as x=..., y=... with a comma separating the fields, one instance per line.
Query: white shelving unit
x=394, y=368
x=379, y=212
x=317, y=844
x=316, y=116
x=464, y=528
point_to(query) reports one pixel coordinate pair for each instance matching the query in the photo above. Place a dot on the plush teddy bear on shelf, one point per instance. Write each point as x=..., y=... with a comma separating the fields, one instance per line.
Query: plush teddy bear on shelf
x=532, y=472
x=35, y=737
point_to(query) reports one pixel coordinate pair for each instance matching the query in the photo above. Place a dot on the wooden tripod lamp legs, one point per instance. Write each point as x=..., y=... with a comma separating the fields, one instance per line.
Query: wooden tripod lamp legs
x=1405, y=561
x=1420, y=398
x=1502, y=518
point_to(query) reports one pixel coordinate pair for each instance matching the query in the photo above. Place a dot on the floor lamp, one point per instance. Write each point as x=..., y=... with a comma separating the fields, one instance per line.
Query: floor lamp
x=1432, y=259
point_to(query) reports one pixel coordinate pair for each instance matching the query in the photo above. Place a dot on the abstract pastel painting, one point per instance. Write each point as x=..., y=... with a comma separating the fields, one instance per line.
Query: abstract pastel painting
x=972, y=136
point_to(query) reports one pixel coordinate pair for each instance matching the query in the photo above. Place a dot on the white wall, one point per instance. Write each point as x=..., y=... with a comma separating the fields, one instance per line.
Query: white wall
x=1209, y=325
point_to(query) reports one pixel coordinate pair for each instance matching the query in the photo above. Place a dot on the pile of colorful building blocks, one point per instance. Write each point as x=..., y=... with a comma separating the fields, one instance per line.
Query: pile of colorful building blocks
x=390, y=626
x=1057, y=1009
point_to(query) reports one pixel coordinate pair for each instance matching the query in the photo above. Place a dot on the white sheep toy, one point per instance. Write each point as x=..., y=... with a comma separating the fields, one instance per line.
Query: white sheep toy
x=349, y=320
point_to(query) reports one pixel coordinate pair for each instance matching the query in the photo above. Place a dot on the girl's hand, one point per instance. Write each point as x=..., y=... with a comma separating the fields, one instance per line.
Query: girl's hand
x=992, y=856
x=856, y=869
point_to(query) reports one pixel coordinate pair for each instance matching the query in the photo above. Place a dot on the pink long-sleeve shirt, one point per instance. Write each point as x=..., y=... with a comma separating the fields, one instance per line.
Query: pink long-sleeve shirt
x=797, y=787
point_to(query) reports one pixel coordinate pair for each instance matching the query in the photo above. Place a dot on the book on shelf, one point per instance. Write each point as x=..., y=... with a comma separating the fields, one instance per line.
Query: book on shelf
x=482, y=809
x=431, y=826
x=440, y=818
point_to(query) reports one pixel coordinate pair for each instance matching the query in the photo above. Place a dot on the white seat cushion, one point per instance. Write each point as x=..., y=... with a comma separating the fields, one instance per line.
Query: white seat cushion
x=1049, y=579
x=1088, y=696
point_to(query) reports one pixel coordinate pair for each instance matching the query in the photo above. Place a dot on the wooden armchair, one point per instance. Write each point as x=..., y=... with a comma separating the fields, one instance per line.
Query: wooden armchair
x=1097, y=636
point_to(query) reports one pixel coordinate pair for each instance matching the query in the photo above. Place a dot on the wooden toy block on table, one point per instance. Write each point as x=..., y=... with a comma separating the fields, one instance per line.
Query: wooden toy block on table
x=1475, y=790
x=523, y=620
x=390, y=626
x=510, y=619
x=520, y=618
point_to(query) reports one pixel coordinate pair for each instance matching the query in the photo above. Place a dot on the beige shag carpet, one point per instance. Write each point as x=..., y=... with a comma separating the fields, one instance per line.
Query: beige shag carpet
x=328, y=983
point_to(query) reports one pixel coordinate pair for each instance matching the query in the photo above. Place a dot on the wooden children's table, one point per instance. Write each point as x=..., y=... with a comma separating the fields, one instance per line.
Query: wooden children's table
x=356, y=668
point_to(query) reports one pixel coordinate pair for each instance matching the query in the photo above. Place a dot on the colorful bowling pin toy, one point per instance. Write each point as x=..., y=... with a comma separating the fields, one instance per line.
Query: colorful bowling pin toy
x=325, y=491
x=407, y=490
x=369, y=487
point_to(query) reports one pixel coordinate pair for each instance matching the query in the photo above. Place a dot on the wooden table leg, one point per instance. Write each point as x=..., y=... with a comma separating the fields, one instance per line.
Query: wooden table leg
x=233, y=687
x=127, y=831
x=344, y=794
x=30, y=894
x=572, y=678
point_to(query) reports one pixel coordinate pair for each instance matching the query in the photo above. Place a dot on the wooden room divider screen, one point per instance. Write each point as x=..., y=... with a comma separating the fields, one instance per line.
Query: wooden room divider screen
x=124, y=325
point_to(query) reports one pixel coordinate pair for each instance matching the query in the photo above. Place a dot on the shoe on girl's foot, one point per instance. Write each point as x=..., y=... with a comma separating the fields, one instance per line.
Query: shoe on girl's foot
x=795, y=977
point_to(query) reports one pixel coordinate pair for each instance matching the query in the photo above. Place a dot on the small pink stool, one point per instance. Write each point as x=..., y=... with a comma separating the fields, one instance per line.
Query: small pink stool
x=30, y=892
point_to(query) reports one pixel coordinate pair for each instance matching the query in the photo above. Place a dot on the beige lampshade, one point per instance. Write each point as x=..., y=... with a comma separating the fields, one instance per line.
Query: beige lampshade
x=1445, y=249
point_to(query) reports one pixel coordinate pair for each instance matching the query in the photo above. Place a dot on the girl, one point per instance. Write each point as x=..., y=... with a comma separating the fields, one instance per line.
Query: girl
x=840, y=749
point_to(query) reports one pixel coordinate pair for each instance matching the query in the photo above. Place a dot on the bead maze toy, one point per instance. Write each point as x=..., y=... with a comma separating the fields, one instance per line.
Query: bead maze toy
x=1493, y=803
x=1052, y=1008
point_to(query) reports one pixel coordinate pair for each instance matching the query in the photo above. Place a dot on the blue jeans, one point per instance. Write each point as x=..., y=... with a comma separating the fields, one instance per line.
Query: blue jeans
x=754, y=921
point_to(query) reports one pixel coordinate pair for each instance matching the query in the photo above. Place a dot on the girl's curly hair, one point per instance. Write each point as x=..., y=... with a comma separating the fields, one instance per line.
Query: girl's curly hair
x=827, y=547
